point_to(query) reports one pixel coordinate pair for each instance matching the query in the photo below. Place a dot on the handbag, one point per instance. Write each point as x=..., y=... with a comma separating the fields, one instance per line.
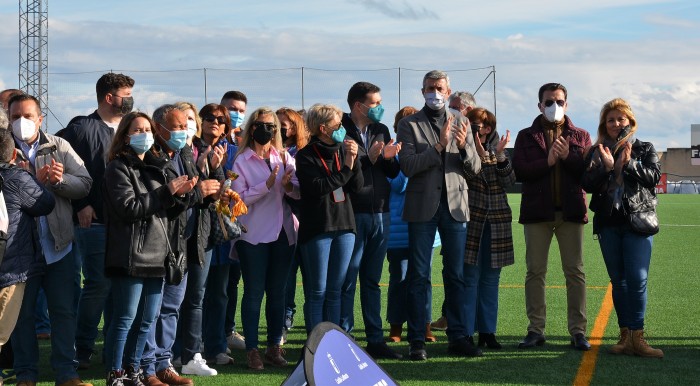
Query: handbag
x=223, y=228
x=645, y=223
x=175, y=263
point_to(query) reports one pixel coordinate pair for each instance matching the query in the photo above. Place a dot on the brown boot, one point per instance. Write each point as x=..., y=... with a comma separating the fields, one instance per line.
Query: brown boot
x=641, y=347
x=429, y=337
x=395, y=333
x=274, y=355
x=619, y=348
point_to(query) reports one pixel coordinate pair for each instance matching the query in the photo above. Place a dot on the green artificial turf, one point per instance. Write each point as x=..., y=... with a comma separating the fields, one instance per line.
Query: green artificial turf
x=671, y=323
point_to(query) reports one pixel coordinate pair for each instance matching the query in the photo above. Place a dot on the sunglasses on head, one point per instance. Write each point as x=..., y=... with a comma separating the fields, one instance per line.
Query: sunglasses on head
x=550, y=102
x=212, y=118
x=264, y=125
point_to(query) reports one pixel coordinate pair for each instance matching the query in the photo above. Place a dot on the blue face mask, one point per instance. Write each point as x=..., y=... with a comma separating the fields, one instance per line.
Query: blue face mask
x=236, y=118
x=177, y=140
x=375, y=113
x=141, y=142
x=339, y=135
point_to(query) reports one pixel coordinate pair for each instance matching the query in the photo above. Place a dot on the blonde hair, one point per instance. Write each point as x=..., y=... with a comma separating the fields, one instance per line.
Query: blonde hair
x=247, y=139
x=622, y=106
x=320, y=114
x=184, y=106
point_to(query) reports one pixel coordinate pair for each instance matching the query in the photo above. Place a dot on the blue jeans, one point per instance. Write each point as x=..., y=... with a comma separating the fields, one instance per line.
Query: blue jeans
x=367, y=260
x=482, y=289
x=89, y=245
x=290, y=306
x=214, y=307
x=189, y=341
x=421, y=236
x=264, y=268
x=57, y=283
x=397, y=295
x=325, y=259
x=136, y=302
x=234, y=277
x=41, y=313
x=627, y=257
x=158, y=350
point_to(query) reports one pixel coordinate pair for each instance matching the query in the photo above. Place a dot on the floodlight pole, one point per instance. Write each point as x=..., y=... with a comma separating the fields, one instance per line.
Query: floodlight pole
x=34, y=50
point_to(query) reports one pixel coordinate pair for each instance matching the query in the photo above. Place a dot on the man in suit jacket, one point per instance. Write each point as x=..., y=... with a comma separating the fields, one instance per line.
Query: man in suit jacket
x=437, y=154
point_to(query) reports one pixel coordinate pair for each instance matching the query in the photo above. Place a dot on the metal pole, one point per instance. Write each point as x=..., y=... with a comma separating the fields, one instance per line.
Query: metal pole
x=494, y=89
x=302, y=89
x=205, y=85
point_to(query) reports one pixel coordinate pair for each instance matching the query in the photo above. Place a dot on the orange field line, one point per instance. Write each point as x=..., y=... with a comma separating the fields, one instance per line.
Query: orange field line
x=587, y=366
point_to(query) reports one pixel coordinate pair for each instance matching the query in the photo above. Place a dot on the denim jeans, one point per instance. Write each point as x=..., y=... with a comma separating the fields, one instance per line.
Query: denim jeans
x=158, y=351
x=325, y=258
x=420, y=242
x=367, y=260
x=57, y=283
x=189, y=341
x=89, y=245
x=397, y=295
x=265, y=268
x=482, y=289
x=627, y=257
x=41, y=313
x=214, y=307
x=136, y=303
x=290, y=306
x=234, y=277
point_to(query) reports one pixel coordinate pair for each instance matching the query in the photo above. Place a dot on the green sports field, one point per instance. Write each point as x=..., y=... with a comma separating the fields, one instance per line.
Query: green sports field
x=671, y=324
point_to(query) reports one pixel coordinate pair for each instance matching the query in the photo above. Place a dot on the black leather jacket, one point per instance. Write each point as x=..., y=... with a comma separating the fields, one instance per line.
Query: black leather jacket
x=640, y=177
x=136, y=198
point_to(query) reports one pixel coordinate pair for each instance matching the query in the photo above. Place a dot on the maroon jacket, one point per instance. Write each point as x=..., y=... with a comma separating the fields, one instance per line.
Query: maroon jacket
x=531, y=168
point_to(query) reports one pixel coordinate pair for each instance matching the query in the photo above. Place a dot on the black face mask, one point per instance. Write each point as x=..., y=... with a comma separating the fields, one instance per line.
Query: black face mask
x=126, y=107
x=262, y=135
x=284, y=135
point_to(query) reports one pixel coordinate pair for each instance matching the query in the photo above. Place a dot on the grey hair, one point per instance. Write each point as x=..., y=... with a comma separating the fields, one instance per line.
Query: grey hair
x=437, y=75
x=162, y=112
x=4, y=121
x=466, y=99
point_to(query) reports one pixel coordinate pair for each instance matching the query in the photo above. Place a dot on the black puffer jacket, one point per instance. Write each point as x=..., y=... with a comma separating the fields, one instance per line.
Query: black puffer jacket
x=136, y=199
x=25, y=199
x=640, y=176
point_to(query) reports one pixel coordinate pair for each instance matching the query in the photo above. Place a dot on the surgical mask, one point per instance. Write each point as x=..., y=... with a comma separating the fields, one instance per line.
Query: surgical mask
x=375, y=113
x=141, y=142
x=236, y=118
x=23, y=128
x=191, y=128
x=177, y=140
x=339, y=135
x=434, y=100
x=554, y=113
x=127, y=105
x=262, y=134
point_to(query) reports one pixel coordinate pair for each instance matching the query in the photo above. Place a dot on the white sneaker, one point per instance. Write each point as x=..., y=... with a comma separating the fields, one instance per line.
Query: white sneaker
x=236, y=341
x=220, y=359
x=198, y=366
x=177, y=362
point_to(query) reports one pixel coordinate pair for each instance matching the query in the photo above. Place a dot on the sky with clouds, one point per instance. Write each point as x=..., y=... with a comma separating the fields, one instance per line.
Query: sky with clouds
x=645, y=51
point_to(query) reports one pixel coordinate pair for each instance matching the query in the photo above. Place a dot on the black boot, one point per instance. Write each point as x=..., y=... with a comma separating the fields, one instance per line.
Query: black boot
x=489, y=340
x=115, y=378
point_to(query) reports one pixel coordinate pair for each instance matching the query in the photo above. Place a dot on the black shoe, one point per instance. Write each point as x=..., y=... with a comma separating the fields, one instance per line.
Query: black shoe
x=531, y=340
x=115, y=378
x=416, y=351
x=464, y=347
x=580, y=343
x=134, y=377
x=83, y=357
x=381, y=350
x=489, y=340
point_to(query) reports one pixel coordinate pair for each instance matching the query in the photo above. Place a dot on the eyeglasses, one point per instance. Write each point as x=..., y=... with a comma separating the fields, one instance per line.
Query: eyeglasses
x=213, y=118
x=550, y=102
x=264, y=125
x=328, y=126
x=477, y=127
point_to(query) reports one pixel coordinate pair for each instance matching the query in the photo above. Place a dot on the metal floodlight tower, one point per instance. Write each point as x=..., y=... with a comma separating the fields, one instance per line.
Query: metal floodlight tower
x=34, y=50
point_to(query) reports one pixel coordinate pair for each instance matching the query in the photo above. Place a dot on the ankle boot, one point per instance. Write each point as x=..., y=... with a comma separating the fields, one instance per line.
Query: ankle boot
x=489, y=340
x=621, y=346
x=642, y=348
x=429, y=337
x=395, y=332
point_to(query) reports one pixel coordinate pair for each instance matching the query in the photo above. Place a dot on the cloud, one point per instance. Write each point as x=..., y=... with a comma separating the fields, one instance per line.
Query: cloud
x=661, y=20
x=399, y=10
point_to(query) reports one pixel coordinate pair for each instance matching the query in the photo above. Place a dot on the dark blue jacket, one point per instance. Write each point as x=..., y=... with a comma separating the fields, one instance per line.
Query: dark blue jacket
x=90, y=137
x=25, y=199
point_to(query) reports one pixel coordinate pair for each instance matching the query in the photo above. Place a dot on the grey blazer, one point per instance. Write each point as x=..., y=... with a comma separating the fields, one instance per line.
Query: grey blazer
x=423, y=166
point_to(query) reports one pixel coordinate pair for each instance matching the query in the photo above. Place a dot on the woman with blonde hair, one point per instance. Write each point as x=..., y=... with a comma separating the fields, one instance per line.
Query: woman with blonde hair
x=622, y=173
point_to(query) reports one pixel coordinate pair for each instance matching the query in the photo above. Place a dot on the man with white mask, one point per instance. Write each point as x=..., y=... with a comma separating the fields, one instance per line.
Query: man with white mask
x=58, y=167
x=548, y=160
x=437, y=155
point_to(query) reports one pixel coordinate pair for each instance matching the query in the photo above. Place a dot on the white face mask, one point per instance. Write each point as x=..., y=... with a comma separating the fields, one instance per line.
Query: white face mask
x=554, y=113
x=191, y=128
x=434, y=100
x=23, y=128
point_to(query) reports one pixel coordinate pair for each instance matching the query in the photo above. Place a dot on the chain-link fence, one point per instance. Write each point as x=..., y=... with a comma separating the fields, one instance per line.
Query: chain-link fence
x=72, y=94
